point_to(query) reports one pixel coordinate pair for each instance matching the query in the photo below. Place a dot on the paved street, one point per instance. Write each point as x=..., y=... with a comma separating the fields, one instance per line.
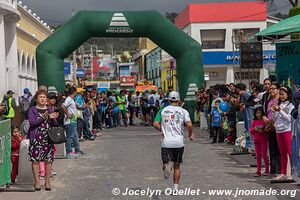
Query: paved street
x=130, y=158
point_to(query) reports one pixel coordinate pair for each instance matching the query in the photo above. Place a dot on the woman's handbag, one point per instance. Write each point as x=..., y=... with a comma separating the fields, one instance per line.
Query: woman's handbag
x=56, y=135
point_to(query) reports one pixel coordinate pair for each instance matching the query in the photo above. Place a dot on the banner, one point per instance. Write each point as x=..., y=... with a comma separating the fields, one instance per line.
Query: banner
x=103, y=86
x=288, y=62
x=124, y=70
x=5, y=151
x=67, y=68
x=127, y=80
x=104, y=69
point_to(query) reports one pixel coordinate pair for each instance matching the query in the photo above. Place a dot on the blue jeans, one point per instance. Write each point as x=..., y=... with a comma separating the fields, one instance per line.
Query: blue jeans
x=72, y=136
x=116, y=119
x=86, y=129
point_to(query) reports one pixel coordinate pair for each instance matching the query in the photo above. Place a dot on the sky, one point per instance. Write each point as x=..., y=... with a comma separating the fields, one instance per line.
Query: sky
x=56, y=12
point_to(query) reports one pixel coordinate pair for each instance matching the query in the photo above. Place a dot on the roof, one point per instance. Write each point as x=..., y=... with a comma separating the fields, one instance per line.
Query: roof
x=222, y=12
x=285, y=27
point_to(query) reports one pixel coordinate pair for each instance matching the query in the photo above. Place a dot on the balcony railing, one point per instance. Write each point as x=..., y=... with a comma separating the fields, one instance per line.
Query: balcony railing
x=12, y=3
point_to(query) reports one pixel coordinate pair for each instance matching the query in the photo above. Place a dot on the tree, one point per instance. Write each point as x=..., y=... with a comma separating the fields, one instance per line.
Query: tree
x=171, y=16
x=294, y=3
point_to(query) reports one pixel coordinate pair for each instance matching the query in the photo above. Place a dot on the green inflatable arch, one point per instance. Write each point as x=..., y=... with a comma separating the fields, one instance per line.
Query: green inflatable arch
x=50, y=53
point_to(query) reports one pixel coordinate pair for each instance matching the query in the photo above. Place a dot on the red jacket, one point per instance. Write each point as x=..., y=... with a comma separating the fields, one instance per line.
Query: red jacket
x=258, y=136
x=15, y=145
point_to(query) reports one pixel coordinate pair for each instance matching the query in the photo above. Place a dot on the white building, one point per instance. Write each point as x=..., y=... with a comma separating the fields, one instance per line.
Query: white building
x=9, y=15
x=21, y=31
x=219, y=27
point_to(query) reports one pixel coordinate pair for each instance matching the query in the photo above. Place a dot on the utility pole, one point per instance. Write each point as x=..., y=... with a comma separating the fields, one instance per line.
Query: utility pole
x=92, y=65
x=74, y=61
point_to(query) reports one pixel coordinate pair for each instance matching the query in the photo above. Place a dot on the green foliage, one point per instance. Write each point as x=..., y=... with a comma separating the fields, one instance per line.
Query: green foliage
x=293, y=12
x=171, y=16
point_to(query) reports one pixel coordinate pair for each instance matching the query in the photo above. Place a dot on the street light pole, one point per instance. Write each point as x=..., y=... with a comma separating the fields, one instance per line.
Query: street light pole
x=92, y=66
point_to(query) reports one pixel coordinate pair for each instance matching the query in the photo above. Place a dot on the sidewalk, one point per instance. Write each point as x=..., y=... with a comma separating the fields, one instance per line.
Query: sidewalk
x=61, y=166
x=244, y=161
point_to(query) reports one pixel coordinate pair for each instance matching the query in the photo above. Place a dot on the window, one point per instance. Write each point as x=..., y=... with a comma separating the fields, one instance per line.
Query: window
x=213, y=39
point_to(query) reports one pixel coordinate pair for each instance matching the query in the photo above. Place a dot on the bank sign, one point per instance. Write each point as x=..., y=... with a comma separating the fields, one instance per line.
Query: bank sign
x=227, y=57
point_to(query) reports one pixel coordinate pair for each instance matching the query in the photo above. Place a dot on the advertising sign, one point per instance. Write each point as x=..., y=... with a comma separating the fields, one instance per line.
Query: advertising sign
x=288, y=62
x=67, y=68
x=80, y=73
x=5, y=151
x=227, y=57
x=103, y=86
x=124, y=70
x=126, y=77
x=127, y=80
x=104, y=69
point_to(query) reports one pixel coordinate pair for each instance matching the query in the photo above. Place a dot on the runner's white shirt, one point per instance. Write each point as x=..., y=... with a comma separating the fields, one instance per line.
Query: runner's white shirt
x=172, y=120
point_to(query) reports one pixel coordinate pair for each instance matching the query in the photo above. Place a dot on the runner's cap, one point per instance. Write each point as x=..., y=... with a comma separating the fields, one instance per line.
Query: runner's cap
x=174, y=96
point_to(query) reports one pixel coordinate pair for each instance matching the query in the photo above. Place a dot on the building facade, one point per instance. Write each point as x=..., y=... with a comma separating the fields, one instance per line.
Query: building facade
x=31, y=31
x=145, y=46
x=9, y=15
x=153, y=66
x=168, y=74
x=21, y=31
x=219, y=28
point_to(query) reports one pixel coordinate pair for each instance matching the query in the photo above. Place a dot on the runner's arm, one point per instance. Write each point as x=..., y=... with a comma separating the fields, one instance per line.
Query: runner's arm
x=157, y=120
x=156, y=125
x=189, y=124
x=190, y=129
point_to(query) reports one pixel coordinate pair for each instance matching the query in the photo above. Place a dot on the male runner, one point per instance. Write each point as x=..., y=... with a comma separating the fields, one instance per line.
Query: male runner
x=170, y=121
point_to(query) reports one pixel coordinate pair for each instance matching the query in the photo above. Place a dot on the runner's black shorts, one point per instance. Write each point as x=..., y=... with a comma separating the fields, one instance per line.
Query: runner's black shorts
x=172, y=154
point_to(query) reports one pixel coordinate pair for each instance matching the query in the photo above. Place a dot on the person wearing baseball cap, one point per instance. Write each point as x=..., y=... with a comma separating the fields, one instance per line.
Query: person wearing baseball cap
x=170, y=122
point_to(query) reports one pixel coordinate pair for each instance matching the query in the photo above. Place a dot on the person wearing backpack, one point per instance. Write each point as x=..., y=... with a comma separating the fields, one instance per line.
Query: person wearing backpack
x=24, y=102
x=216, y=118
x=152, y=105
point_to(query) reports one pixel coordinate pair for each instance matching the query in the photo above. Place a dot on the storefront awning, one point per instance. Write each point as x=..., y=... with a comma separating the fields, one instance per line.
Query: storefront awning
x=281, y=29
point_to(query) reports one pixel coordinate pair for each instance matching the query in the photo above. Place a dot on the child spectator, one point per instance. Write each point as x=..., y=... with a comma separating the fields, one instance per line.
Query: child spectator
x=283, y=123
x=15, y=148
x=216, y=118
x=86, y=117
x=260, y=139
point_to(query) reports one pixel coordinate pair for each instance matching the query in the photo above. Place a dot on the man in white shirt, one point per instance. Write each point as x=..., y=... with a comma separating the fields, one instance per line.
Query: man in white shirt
x=170, y=122
x=70, y=122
